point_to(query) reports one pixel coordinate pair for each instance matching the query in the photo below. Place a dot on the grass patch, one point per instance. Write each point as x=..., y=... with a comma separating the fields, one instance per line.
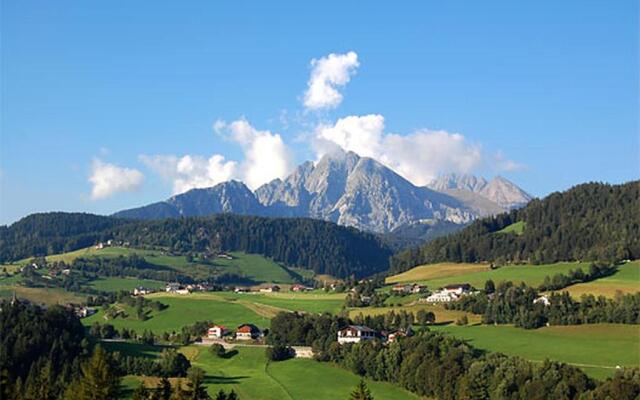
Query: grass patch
x=443, y=316
x=48, y=296
x=625, y=280
x=184, y=311
x=315, y=302
x=250, y=375
x=598, y=349
x=114, y=284
x=515, y=228
x=255, y=267
x=436, y=271
x=532, y=275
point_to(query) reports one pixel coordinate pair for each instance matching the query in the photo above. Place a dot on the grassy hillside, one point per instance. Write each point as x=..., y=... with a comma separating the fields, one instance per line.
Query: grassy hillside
x=625, y=280
x=220, y=307
x=515, y=228
x=184, y=311
x=478, y=274
x=252, y=377
x=597, y=349
x=443, y=316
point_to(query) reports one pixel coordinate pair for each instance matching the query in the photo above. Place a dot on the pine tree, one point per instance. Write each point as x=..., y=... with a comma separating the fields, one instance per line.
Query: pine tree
x=141, y=393
x=361, y=392
x=195, y=384
x=98, y=380
x=163, y=390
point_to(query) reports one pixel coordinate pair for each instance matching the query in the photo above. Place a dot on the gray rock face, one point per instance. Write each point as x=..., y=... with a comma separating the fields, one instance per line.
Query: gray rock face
x=349, y=190
x=499, y=190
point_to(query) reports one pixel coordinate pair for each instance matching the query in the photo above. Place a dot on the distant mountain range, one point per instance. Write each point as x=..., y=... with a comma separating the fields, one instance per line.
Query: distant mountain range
x=352, y=191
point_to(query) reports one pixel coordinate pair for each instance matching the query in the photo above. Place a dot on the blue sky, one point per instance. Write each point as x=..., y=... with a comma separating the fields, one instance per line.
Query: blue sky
x=544, y=93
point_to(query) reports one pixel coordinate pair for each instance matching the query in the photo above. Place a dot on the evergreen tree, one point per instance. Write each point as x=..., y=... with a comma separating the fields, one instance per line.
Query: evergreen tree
x=195, y=384
x=361, y=392
x=98, y=380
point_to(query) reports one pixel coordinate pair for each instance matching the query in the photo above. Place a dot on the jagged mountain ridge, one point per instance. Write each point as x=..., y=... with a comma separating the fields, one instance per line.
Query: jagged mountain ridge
x=343, y=188
x=498, y=190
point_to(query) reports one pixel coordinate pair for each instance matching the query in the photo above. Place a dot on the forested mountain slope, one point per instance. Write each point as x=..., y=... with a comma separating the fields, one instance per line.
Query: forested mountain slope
x=322, y=246
x=592, y=221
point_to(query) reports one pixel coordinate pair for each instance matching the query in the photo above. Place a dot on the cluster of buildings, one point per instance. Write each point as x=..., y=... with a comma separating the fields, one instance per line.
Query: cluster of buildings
x=448, y=293
x=408, y=288
x=360, y=333
x=179, y=288
x=243, y=332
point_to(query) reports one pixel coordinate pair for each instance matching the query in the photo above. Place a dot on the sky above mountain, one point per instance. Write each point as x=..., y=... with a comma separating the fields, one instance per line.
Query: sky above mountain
x=114, y=105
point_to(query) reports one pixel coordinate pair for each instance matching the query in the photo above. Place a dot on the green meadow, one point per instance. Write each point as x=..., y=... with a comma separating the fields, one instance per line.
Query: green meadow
x=315, y=302
x=597, y=349
x=114, y=284
x=478, y=274
x=625, y=280
x=251, y=376
x=516, y=228
x=184, y=311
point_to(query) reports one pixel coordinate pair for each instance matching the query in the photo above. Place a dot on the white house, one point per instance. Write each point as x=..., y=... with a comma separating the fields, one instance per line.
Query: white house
x=141, y=291
x=355, y=334
x=217, y=332
x=442, y=297
x=542, y=299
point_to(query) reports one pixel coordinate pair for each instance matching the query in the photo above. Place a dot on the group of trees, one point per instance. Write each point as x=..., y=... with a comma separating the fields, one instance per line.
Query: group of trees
x=592, y=221
x=193, y=390
x=322, y=246
x=437, y=366
x=560, y=281
x=515, y=304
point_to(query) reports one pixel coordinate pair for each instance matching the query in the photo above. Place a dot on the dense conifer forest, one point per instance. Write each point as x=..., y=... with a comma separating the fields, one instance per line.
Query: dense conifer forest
x=324, y=247
x=592, y=221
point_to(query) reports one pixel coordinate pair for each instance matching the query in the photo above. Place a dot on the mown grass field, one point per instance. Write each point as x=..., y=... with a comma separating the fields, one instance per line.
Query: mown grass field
x=252, y=377
x=314, y=302
x=597, y=349
x=478, y=274
x=186, y=310
x=46, y=296
x=516, y=228
x=443, y=316
x=114, y=284
x=625, y=280
x=252, y=266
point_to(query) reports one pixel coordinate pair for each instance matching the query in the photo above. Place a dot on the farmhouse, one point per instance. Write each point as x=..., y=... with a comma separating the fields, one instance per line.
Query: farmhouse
x=240, y=289
x=355, y=334
x=300, y=288
x=141, y=291
x=176, y=288
x=408, y=288
x=217, y=332
x=248, y=332
x=270, y=289
x=542, y=300
x=393, y=336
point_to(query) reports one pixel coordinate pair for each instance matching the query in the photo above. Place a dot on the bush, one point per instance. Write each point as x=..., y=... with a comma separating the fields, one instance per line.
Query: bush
x=218, y=350
x=279, y=353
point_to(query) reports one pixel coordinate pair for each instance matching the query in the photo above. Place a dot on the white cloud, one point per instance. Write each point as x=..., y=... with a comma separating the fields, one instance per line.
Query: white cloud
x=108, y=179
x=266, y=157
x=190, y=172
x=419, y=157
x=327, y=74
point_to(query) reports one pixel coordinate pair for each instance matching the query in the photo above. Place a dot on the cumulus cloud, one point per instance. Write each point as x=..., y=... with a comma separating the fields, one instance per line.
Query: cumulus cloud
x=419, y=157
x=327, y=75
x=109, y=179
x=266, y=157
x=190, y=172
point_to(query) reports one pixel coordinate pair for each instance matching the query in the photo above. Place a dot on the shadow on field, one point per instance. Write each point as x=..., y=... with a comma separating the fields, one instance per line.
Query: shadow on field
x=223, y=380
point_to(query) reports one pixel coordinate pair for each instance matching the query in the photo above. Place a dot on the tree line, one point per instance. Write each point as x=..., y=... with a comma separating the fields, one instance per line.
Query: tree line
x=324, y=247
x=593, y=221
x=516, y=304
x=438, y=366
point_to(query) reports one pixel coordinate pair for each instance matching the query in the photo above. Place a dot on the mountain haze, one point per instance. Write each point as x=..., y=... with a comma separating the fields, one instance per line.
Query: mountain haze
x=349, y=190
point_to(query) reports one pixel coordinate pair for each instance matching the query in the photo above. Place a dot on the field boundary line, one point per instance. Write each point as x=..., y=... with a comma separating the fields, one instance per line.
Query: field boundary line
x=266, y=371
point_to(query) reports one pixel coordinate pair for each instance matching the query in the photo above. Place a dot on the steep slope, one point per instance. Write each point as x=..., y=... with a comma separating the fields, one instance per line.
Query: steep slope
x=593, y=221
x=226, y=197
